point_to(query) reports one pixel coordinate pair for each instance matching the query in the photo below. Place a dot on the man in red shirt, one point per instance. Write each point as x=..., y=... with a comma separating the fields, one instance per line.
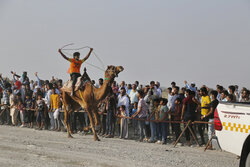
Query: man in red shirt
x=75, y=66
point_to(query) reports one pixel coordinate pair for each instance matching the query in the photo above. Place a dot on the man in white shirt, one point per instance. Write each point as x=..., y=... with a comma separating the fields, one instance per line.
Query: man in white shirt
x=133, y=95
x=123, y=85
x=159, y=91
x=123, y=100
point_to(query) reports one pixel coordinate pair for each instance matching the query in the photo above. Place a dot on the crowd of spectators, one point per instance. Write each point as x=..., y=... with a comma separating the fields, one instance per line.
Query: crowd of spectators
x=132, y=111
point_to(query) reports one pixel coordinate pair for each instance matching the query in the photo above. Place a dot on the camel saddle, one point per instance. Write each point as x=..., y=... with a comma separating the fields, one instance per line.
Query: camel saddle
x=80, y=84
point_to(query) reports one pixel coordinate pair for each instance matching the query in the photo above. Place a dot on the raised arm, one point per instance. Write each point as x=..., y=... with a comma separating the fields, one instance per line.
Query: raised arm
x=38, y=80
x=18, y=76
x=63, y=55
x=85, y=58
x=2, y=82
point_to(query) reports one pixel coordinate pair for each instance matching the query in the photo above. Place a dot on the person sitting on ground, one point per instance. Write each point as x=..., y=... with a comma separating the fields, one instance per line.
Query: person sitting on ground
x=75, y=66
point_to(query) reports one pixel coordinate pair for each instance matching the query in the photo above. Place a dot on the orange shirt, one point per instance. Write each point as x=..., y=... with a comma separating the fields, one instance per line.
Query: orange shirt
x=75, y=66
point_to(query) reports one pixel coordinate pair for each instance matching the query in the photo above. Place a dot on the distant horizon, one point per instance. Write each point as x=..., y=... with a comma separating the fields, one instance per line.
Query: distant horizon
x=206, y=42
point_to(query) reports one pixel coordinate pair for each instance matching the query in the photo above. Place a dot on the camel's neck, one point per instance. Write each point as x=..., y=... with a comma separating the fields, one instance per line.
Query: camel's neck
x=102, y=92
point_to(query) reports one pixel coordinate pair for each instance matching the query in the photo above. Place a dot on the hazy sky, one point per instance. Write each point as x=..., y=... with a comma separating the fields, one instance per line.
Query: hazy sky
x=207, y=42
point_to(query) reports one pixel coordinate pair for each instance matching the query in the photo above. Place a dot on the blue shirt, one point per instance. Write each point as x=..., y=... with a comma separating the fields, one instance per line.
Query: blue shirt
x=191, y=88
x=133, y=111
x=173, y=102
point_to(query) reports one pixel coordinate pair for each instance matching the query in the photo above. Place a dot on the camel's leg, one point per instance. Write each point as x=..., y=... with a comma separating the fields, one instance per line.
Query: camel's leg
x=66, y=101
x=98, y=124
x=92, y=125
x=67, y=122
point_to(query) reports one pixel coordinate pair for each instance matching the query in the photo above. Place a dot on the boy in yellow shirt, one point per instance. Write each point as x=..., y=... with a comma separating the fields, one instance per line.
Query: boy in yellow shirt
x=205, y=101
x=55, y=105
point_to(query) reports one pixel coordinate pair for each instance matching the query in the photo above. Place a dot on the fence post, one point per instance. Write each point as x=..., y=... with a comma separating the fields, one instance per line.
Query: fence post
x=182, y=133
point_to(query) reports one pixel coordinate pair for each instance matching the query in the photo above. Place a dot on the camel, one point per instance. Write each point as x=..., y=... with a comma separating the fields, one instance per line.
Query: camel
x=88, y=98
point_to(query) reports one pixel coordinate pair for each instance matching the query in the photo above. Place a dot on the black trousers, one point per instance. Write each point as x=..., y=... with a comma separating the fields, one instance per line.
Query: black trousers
x=74, y=77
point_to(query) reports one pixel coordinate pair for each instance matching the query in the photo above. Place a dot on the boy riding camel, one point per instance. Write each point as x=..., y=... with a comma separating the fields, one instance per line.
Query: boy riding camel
x=75, y=66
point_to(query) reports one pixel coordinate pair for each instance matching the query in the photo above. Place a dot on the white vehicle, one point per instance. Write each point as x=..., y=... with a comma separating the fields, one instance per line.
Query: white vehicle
x=232, y=128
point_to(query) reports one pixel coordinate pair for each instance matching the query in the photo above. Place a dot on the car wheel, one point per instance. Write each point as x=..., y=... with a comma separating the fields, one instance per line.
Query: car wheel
x=247, y=163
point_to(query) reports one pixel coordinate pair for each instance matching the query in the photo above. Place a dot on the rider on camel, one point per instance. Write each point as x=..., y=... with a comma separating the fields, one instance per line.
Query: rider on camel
x=75, y=66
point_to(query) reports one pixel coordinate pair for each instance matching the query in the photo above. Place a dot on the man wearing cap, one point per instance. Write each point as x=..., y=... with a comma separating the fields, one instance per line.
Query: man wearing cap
x=75, y=65
x=190, y=87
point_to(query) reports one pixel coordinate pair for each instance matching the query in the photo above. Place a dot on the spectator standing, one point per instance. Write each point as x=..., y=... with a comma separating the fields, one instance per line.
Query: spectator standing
x=133, y=96
x=152, y=95
x=170, y=95
x=134, y=121
x=176, y=116
x=205, y=101
x=13, y=103
x=21, y=110
x=219, y=90
x=223, y=96
x=188, y=113
x=245, y=96
x=29, y=105
x=5, y=86
x=103, y=117
x=231, y=90
x=111, y=111
x=123, y=100
x=191, y=86
x=159, y=90
x=124, y=123
x=48, y=102
x=210, y=115
x=123, y=85
x=141, y=113
x=163, y=116
x=40, y=112
x=54, y=110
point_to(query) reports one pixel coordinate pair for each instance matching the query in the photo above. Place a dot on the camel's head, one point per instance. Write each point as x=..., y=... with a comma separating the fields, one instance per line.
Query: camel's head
x=113, y=71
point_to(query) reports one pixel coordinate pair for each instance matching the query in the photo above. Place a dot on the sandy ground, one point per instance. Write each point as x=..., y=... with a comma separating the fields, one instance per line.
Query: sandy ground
x=28, y=147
